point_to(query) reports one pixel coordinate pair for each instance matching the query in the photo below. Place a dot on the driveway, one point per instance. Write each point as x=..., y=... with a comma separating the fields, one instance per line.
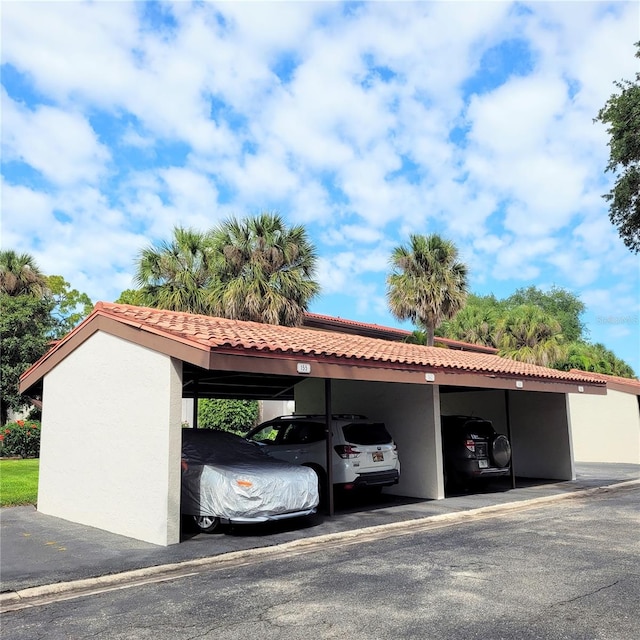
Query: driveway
x=37, y=550
x=568, y=569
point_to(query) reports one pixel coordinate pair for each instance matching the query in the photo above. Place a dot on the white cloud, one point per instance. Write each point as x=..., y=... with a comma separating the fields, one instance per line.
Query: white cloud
x=335, y=273
x=61, y=145
x=348, y=270
x=370, y=134
x=165, y=198
x=25, y=214
x=518, y=258
x=360, y=234
x=190, y=192
x=133, y=138
x=263, y=176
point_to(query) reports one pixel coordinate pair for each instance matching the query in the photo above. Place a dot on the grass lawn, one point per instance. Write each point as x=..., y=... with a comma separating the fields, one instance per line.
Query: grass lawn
x=18, y=482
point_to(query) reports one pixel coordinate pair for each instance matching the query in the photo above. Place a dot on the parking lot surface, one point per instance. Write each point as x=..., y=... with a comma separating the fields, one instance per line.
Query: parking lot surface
x=36, y=549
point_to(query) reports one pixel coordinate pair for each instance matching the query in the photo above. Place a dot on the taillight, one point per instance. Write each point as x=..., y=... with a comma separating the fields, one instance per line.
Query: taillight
x=347, y=451
x=471, y=445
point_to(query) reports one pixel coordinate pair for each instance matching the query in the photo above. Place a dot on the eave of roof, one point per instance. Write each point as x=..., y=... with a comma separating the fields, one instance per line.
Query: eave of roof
x=209, y=336
x=617, y=383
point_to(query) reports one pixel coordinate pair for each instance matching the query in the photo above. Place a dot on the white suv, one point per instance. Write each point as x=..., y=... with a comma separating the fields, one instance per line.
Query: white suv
x=364, y=454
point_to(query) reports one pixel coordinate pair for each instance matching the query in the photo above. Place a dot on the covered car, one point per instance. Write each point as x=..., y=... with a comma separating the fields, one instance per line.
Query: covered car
x=226, y=478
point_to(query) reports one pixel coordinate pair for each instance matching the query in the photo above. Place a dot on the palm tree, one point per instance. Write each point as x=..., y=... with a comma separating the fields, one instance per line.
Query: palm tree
x=264, y=270
x=529, y=334
x=427, y=284
x=473, y=324
x=20, y=275
x=177, y=275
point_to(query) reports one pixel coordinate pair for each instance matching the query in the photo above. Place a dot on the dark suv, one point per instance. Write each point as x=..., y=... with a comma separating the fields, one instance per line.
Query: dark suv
x=473, y=450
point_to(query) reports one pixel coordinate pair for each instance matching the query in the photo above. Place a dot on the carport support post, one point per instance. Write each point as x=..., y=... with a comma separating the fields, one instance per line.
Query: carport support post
x=508, y=412
x=196, y=392
x=329, y=440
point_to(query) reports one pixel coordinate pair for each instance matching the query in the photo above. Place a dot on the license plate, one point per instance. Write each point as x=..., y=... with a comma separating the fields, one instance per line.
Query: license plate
x=378, y=456
x=483, y=464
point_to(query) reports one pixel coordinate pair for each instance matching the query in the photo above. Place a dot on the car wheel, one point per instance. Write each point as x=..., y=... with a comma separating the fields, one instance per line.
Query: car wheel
x=207, y=524
x=500, y=451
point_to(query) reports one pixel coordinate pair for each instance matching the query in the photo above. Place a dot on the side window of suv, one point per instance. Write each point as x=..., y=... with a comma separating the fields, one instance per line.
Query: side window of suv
x=267, y=435
x=302, y=433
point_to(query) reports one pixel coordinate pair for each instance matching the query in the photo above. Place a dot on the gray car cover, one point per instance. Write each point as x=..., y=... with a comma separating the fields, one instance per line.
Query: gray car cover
x=226, y=476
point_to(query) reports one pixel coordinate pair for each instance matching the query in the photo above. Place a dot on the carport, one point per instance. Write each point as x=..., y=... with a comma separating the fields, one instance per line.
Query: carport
x=112, y=395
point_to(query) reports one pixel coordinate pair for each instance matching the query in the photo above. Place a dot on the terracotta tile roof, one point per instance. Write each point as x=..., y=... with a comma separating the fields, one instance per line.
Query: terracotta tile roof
x=317, y=319
x=329, y=323
x=252, y=338
x=629, y=384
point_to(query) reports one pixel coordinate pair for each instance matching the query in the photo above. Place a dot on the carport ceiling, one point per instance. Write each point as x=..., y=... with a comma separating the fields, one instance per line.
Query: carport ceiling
x=236, y=385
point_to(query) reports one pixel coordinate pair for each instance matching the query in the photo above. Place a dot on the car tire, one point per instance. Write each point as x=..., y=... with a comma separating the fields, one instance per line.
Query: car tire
x=500, y=451
x=206, y=524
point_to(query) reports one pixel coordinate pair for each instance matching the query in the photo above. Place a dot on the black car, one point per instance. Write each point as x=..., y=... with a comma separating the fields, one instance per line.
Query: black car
x=473, y=450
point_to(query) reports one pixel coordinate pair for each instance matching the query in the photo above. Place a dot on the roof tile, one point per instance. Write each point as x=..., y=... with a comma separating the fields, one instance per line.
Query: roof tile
x=329, y=323
x=230, y=336
x=631, y=383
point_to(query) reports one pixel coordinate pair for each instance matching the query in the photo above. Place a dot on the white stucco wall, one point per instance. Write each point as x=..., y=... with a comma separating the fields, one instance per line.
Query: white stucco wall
x=605, y=428
x=270, y=409
x=111, y=439
x=541, y=435
x=187, y=411
x=411, y=415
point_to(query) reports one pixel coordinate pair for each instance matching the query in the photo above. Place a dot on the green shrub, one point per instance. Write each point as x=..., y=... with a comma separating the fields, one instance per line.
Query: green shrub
x=237, y=416
x=20, y=438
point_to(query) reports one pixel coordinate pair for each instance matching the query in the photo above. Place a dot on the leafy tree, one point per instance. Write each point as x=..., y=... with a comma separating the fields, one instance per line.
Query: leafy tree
x=528, y=334
x=36, y=309
x=69, y=305
x=19, y=274
x=596, y=358
x=427, y=283
x=621, y=113
x=237, y=416
x=177, y=275
x=264, y=270
x=134, y=297
x=564, y=306
x=26, y=326
x=489, y=321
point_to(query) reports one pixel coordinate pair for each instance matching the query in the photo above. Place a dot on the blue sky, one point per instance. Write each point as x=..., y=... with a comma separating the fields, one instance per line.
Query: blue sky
x=365, y=122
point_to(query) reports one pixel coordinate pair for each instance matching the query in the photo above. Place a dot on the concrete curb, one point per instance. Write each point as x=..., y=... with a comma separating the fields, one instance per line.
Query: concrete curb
x=159, y=573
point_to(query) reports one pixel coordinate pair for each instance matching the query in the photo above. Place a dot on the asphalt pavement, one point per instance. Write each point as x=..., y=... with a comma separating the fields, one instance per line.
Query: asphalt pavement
x=37, y=550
